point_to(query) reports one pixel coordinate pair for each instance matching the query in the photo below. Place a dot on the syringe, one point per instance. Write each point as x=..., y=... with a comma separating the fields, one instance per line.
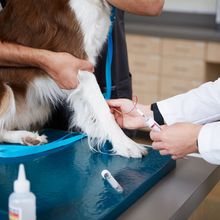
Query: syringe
x=149, y=121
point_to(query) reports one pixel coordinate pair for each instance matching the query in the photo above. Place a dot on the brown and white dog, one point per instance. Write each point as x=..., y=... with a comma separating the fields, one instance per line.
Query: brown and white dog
x=79, y=27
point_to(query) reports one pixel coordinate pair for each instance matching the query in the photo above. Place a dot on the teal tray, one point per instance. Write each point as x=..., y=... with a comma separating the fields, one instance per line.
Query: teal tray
x=68, y=184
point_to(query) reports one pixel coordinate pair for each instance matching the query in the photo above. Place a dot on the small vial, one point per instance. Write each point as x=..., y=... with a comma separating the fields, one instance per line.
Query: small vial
x=149, y=121
x=22, y=202
x=111, y=180
x=152, y=124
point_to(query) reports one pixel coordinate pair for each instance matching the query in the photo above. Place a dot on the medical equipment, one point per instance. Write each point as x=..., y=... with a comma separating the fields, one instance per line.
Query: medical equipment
x=22, y=202
x=112, y=181
x=149, y=121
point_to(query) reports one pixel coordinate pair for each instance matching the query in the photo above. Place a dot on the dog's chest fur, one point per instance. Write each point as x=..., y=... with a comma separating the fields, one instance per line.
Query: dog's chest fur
x=94, y=19
x=79, y=27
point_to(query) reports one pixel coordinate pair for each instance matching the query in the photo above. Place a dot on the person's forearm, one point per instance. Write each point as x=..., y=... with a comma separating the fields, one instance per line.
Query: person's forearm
x=141, y=7
x=61, y=66
x=18, y=55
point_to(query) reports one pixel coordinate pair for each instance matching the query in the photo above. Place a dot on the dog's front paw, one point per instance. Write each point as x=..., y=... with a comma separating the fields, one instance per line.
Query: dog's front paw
x=126, y=147
x=133, y=150
x=34, y=139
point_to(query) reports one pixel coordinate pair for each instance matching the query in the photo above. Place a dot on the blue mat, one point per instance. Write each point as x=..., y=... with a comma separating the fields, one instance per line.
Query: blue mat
x=68, y=184
x=56, y=140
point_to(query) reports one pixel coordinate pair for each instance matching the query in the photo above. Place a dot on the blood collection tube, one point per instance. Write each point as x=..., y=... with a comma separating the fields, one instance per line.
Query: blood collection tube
x=112, y=181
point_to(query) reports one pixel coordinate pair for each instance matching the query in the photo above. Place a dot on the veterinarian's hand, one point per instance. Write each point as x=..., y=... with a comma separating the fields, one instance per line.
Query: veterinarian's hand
x=126, y=115
x=177, y=140
x=63, y=68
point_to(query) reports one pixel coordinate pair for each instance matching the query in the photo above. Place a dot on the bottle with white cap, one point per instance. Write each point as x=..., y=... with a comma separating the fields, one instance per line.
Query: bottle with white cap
x=22, y=202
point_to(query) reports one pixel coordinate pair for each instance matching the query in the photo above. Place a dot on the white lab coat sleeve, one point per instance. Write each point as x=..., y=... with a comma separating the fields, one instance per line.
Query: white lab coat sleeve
x=209, y=143
x=200, y=105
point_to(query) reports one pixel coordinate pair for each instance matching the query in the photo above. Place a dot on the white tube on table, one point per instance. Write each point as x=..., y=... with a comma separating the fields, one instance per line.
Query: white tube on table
x=111, y=180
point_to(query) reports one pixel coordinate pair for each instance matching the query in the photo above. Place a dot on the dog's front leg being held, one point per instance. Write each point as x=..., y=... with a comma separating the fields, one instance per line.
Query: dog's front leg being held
x=92, y=115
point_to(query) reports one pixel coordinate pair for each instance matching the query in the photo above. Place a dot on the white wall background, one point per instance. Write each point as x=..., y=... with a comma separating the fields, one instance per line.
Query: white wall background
x=199, y=6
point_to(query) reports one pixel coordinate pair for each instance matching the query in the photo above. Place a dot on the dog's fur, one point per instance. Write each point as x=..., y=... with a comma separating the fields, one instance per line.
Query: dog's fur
x=79, y=27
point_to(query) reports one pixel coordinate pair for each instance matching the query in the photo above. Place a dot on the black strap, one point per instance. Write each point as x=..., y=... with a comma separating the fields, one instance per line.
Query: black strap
x=157, y=115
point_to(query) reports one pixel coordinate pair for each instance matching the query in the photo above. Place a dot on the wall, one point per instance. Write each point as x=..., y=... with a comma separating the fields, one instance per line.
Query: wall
x=199, y=6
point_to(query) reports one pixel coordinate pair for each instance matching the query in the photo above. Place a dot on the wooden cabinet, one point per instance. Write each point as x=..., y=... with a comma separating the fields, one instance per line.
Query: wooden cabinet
x=183, y=48
x=145, y=87
x=213, y=52
x=164, y=67
x=143, y=44
x=146, y=63
x=144, y=54
x=171, y=86
x=183, y=68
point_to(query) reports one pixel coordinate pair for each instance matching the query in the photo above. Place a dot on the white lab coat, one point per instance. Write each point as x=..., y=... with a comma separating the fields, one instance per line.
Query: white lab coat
x=201, y=106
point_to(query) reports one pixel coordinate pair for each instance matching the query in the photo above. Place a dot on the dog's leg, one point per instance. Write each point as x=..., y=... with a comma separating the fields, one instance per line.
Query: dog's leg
x=7, y=116
x=22, y=137
x=93, y=116
x=7, y=105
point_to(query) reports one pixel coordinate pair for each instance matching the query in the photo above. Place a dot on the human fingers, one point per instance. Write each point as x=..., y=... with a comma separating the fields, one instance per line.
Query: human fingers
x=158, y=145
x=163, y=127
x=114, y=103
x=72, y=83
x=174, y=157
x=179, y=156
x=86, y=66
x=155, y=136
x=164, y=152
x=118, y=119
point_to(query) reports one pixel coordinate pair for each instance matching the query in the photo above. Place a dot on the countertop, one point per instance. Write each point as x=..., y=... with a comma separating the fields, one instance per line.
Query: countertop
x=174, y=25
x=178, y=194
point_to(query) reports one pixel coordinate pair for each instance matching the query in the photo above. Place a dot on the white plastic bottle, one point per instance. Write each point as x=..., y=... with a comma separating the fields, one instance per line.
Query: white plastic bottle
x=22, y=202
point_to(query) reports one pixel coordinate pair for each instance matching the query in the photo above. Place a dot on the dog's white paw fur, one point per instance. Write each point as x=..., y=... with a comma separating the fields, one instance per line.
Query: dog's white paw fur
x=22, y=137
x=34, y=139
x=126, y=147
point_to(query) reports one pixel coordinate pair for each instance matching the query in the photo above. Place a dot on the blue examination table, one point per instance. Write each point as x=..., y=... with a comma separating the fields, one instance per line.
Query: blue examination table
x=68, y=185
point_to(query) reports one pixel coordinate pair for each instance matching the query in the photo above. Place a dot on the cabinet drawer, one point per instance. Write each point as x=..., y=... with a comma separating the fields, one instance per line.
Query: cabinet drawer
x=173, y=86
x=145, y=82
x=213, y=53
x=183, y=48
x=143, y=45
x=145, y=63
x=184, y=68
x=145, y=97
